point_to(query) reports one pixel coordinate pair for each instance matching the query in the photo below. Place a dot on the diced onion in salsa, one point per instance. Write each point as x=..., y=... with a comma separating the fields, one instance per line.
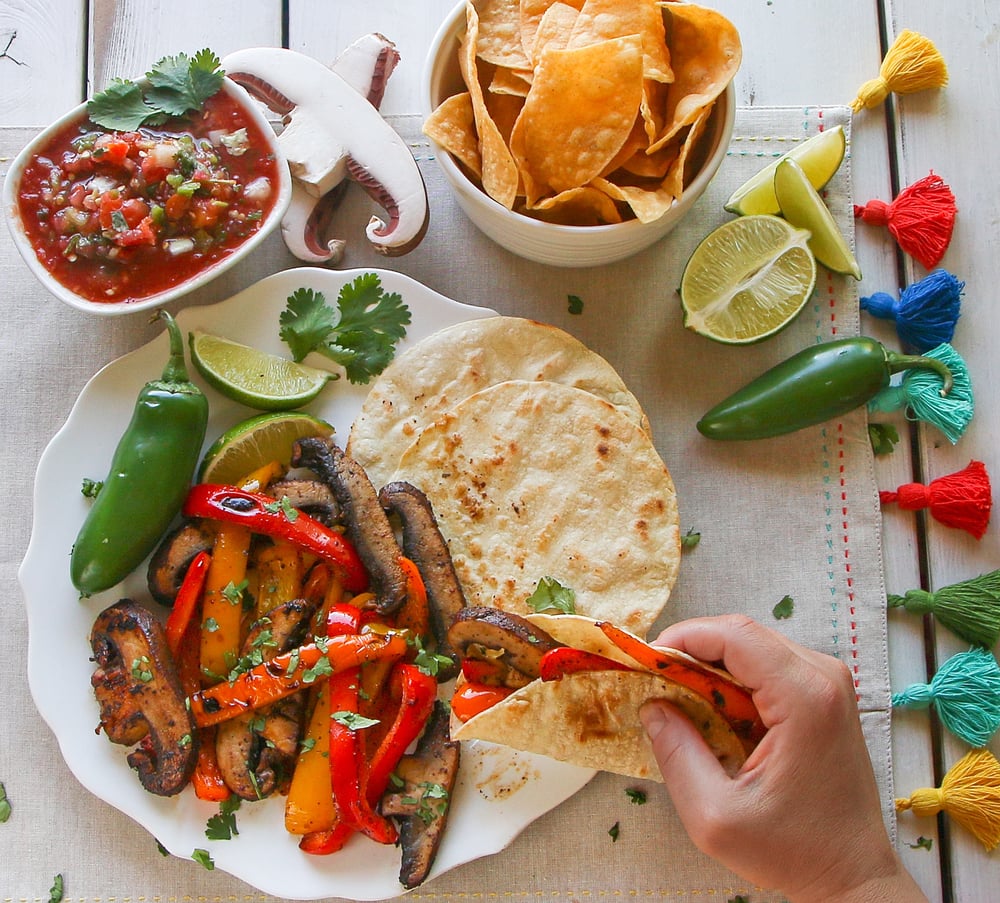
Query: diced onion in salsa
x=118, y=216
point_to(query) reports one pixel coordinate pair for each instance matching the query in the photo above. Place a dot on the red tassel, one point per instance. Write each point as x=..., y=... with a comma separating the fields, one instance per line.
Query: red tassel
x=921, y=219
x=962, y=499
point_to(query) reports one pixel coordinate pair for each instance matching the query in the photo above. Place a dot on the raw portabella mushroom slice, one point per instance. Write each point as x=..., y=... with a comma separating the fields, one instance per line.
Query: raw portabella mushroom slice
x=332, y=132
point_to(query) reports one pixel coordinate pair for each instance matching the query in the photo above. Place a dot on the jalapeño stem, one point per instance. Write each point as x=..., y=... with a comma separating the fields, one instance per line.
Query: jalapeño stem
x=897, y=362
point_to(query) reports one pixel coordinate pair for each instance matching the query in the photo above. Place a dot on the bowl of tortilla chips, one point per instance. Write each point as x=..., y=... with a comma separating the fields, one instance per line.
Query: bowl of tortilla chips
x=579, y=132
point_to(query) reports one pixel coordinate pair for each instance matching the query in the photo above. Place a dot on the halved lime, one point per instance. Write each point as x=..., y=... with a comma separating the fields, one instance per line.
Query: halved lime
x=747, y=279
x=256, y=442
x=820, y=157
x=802, y=206
x=253, y=377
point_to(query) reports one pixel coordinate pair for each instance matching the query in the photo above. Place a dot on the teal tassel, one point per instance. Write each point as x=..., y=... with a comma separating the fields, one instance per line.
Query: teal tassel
x=920, y=394
x=965, y=692
x=970, y=609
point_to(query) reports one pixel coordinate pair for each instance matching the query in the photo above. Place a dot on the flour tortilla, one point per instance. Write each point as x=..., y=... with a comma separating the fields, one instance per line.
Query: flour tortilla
x=591, y=718
x=537, y=479
x=437, y=373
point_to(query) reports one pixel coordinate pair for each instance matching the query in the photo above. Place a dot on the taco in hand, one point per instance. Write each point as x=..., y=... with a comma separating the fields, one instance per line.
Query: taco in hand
x=570, y=688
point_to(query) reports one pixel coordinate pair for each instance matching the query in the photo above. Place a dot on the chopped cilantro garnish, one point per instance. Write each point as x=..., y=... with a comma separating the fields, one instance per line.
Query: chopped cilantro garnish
x=784, y=608
x=204, y=858
x=690, y=539
x=57, y=889
x=429, y=662
x=575, y=304
x=177, y=85
x=922, y=843
x=883, y=438
x=551, y=594
x=5, y=808
x=283, y=506
x=353, y=721
x=635, y=796
x=90, y=488
x=222, y=825
x=361, y=335
x=322, y=668
x=614, y=831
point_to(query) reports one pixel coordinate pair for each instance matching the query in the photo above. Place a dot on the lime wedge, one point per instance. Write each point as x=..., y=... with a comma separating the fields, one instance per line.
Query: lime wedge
x=256, y=442
x=820, y=157
x=802, y=206
x=747, y=279
x=253, y=377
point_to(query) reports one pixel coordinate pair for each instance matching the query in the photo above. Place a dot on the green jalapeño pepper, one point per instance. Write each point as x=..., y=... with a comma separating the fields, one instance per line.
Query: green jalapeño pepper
x=148, y=479
x=820, y=382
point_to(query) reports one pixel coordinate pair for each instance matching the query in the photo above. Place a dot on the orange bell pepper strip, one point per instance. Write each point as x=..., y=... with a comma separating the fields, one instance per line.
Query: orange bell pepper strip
x=309, y=804
x=291, y=671
x=731, y=699
x=222, y=603
x=471, y=699
x=261, y=514
x=415, y=613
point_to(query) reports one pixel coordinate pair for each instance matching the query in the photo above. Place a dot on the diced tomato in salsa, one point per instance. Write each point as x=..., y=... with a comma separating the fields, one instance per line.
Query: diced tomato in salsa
x=118, y=216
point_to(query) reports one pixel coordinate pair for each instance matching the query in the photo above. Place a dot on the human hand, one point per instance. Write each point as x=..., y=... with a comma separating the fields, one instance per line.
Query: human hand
x=803, y=814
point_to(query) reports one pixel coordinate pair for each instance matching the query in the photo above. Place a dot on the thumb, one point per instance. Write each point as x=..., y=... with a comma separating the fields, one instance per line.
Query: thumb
x=690, y=770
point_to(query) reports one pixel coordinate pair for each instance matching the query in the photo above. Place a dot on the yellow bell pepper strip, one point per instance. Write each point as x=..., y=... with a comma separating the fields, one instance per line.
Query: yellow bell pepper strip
x=731, y=699
x=222, y=605
x=279, y=576
x=187, y=601
x=291, y=671
x=262, y=514
x=309, y=805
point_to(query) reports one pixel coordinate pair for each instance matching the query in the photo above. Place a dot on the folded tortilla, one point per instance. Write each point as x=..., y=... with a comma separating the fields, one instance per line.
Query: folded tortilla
x=591, y=718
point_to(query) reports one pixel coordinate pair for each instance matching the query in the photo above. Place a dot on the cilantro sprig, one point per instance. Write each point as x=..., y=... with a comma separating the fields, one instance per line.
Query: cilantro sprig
x=176, y=85
x=360, y=334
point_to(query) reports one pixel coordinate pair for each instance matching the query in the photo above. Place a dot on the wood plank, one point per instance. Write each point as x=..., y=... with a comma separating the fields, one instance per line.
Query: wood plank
x=127, y=38
x=953, y=132
x=43, y=65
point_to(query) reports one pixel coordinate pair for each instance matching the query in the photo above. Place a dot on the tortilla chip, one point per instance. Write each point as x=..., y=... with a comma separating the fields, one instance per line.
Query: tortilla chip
x=499, y=171
x=511, y=81
x=560, y=145
x=706, y=54
x=499, y=39
x=584, y=206
x=453, y=126
x=600, y=20
x=532, y=13
x=554, y=30
x=591, y=719
x=648, y=204
x=675, y=178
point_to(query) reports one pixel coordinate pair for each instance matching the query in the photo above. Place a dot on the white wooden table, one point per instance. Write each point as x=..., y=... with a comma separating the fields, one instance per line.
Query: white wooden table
x=795, y=52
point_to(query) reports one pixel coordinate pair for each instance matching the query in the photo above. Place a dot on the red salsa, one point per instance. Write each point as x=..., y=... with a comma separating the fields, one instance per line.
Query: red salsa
x=119, y=216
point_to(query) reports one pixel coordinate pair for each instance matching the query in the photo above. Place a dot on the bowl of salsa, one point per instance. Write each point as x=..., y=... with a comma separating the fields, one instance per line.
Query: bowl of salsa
x=116, y=220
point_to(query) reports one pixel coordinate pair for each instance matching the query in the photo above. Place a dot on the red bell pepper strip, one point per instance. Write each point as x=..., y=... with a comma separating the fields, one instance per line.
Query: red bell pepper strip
x=483, y=671
x=187, y=601
x=732, y=700
x=563, y=660
x=284, y=674
x=417, y=694
x=261, y=514
x=471, y=699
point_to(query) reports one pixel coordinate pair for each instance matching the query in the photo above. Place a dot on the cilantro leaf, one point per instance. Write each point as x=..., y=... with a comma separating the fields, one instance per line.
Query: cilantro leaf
x=690, y=539
x=222, y=825
x=57, y=890
x=551, y=594
x=575, y=304
x=120, y=106
x=353, y=721
x=176, y=85
x=614, y=831
x=635, y=795
x=204, y=858
x=360, y=335
x=883, y=438
x=5, y=807
x=784, y=608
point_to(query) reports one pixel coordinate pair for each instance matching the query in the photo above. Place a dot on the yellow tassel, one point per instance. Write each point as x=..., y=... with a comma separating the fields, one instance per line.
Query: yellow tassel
x=969, y=793
x=912, y=64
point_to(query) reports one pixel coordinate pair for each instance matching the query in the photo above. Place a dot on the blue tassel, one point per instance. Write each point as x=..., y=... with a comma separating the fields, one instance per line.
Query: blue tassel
x=965, y=692
x=920, y=395
x=926, y=312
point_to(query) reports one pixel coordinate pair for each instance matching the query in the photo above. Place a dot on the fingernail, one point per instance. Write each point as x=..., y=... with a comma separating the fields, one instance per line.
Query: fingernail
x=653, y=719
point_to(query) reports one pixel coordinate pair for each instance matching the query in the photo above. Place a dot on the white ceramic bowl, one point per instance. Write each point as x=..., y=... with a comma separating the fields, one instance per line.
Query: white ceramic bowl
x=115, y=308
x=557, y=245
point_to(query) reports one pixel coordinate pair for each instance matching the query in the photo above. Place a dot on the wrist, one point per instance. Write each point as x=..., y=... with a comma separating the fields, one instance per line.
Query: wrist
x=895, y=885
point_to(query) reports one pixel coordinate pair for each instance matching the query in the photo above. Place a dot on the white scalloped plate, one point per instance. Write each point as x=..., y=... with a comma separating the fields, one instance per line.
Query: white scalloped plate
x=500, y=791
